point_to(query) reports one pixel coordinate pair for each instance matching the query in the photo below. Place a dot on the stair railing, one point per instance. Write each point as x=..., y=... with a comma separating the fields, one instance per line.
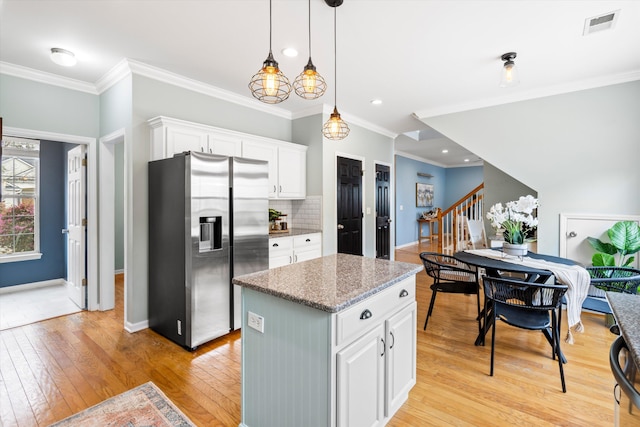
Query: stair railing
x=452, y=233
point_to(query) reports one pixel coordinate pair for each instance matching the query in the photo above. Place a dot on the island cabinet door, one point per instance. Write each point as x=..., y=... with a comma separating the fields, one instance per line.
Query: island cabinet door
x=361, y=381
x=401, y=358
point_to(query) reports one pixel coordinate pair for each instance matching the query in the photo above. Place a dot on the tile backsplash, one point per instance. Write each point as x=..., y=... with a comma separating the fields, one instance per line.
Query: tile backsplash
x=301, y=213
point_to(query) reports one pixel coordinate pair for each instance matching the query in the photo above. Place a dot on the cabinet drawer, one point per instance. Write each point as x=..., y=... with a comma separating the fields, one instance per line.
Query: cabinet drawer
x=299, y=242
x=281, y=244
x=358, y=319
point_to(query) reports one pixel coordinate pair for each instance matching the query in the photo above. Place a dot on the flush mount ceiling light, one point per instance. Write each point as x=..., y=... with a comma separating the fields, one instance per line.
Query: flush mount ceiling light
x=270, y=85
x=509, y=71
x=376, y=101
x=335, y=128
x=309, y=84
x=63, y=57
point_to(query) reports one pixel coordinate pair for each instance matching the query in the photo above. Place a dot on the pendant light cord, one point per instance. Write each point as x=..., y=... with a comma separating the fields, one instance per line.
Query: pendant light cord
x=335, y=61
x=309, y=29
x=270, y=26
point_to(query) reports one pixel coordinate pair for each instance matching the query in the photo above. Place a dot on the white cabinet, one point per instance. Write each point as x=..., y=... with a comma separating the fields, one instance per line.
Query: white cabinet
x=287, y=161
x=292, y=249
x=172, y=136
x=368, y=394
x=287, y=167
x=292, y=172
x=361, y=381
x=261, y=151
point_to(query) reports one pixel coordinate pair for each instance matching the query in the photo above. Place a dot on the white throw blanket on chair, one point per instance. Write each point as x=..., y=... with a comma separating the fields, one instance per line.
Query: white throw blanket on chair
x=576, y=277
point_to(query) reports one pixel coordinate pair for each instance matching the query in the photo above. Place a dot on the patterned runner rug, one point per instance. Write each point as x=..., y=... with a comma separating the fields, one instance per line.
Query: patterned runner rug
x=144, y=405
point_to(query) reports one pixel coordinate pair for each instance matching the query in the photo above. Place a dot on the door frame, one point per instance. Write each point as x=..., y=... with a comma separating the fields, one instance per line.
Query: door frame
x=335, y=198
x=392, y=210
x=92, y=200
x=106, y=198
x=565, y=217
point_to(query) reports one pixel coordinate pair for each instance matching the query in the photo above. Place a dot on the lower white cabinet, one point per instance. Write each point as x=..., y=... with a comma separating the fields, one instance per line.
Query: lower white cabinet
x=376, y=371
x=347, y=369
x=292, y=249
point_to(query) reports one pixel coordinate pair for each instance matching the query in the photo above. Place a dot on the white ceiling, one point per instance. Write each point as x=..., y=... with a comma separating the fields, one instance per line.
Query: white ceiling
x=421, y=58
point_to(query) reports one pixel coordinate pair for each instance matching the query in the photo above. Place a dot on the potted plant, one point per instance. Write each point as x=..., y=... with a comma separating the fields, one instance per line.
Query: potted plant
x=625, y=242
x=518, y=221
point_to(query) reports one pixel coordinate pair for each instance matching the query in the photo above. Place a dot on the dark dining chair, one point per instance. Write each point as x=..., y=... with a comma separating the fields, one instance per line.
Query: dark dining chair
x=526, y=305
x=450, y=276
x=610, y=279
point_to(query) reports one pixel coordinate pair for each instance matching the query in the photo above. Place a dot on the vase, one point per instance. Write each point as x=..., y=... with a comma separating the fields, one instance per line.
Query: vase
x=513, y=249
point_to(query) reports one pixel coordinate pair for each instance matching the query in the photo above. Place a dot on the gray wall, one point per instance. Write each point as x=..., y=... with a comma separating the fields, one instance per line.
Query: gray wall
x=152, y=98
x=500, y=188
x=579, y=150
x=370, y=147
x=37, y=106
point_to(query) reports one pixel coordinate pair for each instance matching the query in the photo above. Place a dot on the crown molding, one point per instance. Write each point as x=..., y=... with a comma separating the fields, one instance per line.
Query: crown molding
x=46, y=78
x=532, y=94
x=48, y=136
x=127, y=67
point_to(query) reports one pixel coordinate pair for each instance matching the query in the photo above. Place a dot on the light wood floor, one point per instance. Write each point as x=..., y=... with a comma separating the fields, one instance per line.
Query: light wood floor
x=52, y=369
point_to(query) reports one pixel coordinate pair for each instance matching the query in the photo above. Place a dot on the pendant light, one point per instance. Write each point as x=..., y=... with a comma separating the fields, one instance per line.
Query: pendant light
x=270, y=85
x=509, y=76
x=309, y=84
x=335, y=128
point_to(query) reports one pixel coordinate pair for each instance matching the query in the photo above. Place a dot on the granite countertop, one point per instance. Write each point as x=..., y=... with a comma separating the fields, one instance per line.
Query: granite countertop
x=626, y=309
x=331, y=283
x=293, y=232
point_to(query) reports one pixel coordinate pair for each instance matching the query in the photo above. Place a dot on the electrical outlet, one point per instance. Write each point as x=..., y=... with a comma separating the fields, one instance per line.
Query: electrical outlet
x=179, y=327
x=255, y=321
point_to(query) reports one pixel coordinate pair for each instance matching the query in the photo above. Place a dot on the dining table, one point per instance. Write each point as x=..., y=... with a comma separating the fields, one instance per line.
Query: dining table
x=497, y=264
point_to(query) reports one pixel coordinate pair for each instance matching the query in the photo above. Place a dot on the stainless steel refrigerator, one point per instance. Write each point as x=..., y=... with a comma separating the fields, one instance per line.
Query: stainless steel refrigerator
x=208, y=221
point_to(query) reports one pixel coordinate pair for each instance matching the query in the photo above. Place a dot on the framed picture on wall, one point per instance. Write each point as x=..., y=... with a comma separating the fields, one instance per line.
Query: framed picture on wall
x=424, y=195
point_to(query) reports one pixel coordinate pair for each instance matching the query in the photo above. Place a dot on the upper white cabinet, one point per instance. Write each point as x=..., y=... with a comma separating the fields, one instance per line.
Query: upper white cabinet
x=287, y=161
x=287, y=167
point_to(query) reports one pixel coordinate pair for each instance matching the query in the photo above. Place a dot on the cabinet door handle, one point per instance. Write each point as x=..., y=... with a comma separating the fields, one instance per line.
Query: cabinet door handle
x=366, y=315
x=404, y=293
x=295, y=258
x=308, y=240
x=281, y=188
x=274, y=188
x=275, y=245
x=383, y=347
x=393, y=342
x=290, y=259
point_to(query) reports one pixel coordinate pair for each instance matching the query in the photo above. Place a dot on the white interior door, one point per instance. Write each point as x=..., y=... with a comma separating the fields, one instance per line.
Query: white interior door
x=76, y=184
x=575, y=228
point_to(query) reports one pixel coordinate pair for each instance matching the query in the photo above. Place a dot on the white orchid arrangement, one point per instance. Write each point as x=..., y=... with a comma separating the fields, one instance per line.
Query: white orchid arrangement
x=515, y=218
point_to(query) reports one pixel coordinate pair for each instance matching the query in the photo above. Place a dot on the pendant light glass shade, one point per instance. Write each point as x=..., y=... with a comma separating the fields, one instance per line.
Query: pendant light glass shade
x=335, y=128
x=510, y=75
x=309, y=84
x=270, y=85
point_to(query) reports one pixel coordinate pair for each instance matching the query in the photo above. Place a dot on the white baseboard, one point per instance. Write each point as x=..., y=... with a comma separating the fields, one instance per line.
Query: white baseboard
x=136, y=327
x=407, y=244
x=34, y=285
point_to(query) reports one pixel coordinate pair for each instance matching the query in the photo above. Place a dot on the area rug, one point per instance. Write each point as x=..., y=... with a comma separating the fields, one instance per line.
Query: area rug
x=144, y=405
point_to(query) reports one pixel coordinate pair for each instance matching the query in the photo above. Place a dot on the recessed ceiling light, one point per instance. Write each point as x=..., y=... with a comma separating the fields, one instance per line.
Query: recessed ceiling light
x=376, y=101
x=63, y=57
x=290, y=52
x=466, y=160
x=445, y=151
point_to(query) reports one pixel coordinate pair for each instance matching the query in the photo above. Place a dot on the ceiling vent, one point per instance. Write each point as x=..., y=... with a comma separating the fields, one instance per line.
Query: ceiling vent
x=600, y=23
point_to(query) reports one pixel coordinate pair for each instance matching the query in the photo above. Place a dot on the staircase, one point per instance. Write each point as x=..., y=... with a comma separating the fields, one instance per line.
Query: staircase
x=452, y=233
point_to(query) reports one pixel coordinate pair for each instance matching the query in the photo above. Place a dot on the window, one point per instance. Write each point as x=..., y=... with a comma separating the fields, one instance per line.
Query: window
x=19, y=199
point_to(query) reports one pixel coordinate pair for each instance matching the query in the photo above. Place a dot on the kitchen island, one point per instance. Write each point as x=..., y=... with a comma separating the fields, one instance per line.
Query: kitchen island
x=328, y=342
